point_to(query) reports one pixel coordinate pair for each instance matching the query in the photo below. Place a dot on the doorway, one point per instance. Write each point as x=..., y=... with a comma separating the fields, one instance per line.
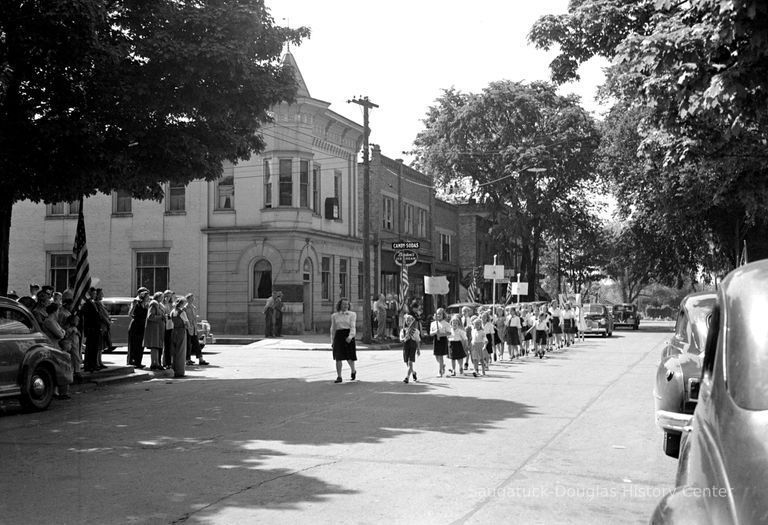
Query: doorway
x=307, y=279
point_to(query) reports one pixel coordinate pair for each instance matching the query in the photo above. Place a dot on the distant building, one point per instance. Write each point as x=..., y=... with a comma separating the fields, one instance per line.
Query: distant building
x=283, y=220
x=288, y=219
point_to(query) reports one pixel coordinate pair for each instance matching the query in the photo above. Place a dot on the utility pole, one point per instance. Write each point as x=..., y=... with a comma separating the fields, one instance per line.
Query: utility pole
x=367, y=105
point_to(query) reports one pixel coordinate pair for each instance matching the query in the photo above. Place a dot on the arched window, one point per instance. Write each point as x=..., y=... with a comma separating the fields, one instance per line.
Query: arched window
x=262, y=279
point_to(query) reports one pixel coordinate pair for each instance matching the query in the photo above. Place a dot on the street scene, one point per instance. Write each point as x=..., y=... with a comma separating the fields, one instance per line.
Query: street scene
x=263, y=435
x=290, y=261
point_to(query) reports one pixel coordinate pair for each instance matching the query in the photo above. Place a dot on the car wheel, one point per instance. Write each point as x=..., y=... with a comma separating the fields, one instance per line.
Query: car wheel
x=671, y=444
x=603, y=334
x=37, y=392
x=610, y=334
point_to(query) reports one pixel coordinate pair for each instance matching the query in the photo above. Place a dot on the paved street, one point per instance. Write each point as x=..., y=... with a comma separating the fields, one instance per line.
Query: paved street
x=264, y=436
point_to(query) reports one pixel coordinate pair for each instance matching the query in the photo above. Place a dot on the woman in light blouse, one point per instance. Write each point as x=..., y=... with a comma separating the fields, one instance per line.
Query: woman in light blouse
x=343, y=337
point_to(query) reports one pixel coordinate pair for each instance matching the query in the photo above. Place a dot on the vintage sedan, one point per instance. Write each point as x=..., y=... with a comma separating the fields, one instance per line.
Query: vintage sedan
x=677, y=377
x=30, y=365
x=597, y=319
x=722, y=473
x=626, y=314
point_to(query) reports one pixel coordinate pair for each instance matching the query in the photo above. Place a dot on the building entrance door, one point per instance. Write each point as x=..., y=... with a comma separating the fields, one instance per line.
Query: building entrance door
x=308, y=324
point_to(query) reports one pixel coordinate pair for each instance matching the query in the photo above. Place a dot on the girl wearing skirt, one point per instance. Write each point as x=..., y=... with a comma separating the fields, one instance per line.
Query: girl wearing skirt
x=439, y=329
x=542, y=328
x=410, y=337
x=457, y=345
x=569, y=325
x=512, y=334
x=343, y=323
x=557, y=327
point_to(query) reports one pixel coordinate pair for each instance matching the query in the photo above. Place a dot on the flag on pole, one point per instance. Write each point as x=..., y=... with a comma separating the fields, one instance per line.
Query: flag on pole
x=403, y=287
x=82, y=271
x=473, y=294
x=510, y=289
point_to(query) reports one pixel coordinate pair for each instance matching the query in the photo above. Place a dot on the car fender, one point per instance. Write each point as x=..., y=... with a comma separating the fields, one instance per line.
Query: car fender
x=669, y=390
x=688, y=505
x=58, y=360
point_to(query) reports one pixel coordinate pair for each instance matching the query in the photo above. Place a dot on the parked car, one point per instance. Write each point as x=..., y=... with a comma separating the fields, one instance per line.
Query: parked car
x=30, y=365
x=118, y=308
x=676, y=389
x=722, y=473
x=626, y=314
x=204, y=333
x=598, y=319
x=455, y=308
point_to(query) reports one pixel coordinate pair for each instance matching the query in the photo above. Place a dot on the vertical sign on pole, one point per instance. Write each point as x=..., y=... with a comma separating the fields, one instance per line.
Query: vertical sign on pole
x=518, y=288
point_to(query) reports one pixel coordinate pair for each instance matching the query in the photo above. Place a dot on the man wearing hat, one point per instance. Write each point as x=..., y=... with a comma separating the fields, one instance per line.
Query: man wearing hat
x=138, y=316
x=91, y=331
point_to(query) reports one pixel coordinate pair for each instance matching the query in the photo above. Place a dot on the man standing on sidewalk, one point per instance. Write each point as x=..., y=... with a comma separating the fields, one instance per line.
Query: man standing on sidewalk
x=269, y=311
x=278, y=306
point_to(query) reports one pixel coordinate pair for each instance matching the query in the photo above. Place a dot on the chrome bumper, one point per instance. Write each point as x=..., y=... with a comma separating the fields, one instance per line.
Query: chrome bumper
x=673, y=421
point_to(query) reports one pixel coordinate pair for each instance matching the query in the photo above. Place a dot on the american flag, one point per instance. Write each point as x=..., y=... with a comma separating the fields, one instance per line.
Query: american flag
x=473, y=293
x=509, y=292
x=403, y=287
x=80, y=252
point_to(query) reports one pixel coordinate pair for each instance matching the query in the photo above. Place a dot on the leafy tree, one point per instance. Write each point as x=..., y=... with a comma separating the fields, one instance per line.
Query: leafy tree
x=693, y=73
x=521, y=149
x=126, y=94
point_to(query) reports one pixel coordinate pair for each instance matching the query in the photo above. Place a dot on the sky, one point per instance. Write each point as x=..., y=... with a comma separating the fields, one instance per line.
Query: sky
x=403, y=54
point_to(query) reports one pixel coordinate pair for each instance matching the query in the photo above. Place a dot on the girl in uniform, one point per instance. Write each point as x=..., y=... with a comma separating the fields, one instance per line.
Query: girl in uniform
x=478, y=344
x=343, y=332
x=439, y=329
x=457, y=345
x=542, y=329
x=512, y=334
x=410, y=337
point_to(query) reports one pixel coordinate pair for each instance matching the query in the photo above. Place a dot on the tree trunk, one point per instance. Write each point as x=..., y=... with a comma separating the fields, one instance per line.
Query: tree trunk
x=6, y=207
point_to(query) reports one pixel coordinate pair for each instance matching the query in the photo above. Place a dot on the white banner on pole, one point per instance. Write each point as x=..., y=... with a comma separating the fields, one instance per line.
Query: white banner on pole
x=436, y=285
x=519, y=288
x=493, y=272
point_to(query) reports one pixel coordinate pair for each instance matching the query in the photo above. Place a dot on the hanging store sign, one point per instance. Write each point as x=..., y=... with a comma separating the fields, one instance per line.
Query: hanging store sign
x=405, y=257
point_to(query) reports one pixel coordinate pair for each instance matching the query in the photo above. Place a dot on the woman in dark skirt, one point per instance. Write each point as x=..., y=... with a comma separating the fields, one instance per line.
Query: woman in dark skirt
x=343, y=332
x=457, y=345
x=439, y=329
x=138, y=315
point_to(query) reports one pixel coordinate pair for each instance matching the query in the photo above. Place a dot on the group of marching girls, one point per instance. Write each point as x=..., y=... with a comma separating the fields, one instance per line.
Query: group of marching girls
x=486, y=336
x=465, y=338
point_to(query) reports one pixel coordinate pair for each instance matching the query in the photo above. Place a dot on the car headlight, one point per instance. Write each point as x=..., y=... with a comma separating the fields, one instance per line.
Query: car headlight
x=601, y=321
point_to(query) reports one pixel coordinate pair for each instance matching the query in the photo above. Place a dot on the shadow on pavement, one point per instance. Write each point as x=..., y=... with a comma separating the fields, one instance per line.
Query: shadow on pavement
x=196, y=451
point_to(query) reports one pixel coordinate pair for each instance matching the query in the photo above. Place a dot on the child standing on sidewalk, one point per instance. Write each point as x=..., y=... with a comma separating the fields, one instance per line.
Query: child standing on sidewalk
x=410, y=337
x=478, y=345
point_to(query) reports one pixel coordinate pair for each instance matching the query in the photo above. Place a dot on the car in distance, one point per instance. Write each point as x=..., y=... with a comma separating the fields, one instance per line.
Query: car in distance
x=455, y=308
x=31, y=367
x=626, y=314
x=597, y=319
x=676, y=388
x=117, y=308
x=722, y=472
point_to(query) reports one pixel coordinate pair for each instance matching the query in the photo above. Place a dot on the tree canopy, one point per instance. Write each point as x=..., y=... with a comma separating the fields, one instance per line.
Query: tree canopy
x=126, y=94
x=521, y=149
x=688, y=78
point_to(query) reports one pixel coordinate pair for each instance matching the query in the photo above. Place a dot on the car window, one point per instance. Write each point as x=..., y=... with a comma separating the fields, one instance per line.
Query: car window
x=681, y=327
x=593, y=309
x=700, y=311
x=15, y=322
x=745, y=343
x=117, y=308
